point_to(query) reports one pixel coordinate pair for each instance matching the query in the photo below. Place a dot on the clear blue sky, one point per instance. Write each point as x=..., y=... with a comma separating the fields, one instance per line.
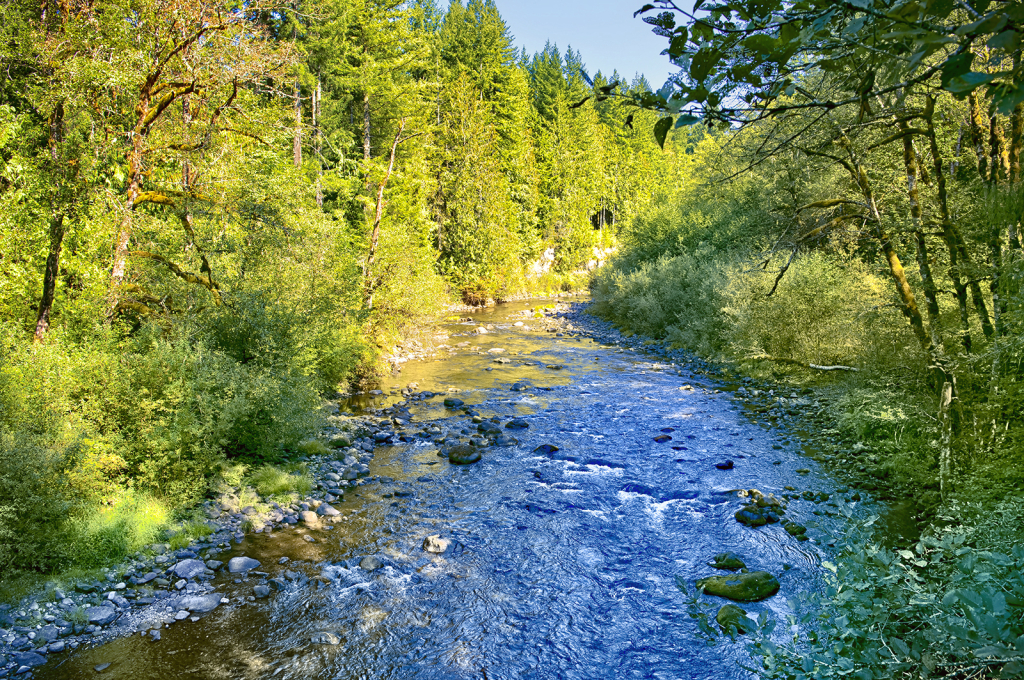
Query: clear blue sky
x=604, y=32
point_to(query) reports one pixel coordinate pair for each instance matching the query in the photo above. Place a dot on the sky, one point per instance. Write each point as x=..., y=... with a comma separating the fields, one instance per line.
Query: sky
x=604, y=32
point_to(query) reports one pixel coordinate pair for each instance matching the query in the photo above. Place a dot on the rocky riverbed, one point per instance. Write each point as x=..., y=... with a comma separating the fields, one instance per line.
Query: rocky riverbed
x=537, y=482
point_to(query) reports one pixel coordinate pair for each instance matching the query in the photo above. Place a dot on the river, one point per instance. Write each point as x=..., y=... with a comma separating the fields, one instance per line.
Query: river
x=562, y=562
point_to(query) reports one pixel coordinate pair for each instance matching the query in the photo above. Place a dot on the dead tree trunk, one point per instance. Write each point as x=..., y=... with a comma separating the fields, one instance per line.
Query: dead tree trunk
x=369, y=286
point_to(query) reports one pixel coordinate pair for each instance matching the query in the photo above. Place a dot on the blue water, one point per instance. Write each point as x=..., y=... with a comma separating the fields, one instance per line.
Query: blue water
x=563, y=564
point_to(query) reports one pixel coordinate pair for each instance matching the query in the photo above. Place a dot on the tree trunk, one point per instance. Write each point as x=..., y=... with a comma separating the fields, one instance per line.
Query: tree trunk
x=999, y=160
x=50, y=277
x=366, y=126
x=297, y=143
x=948, y=230
x=378, y=214
x=977, y=125
x=124, y=229
x=317, y=146
x=927, y=281
x=948, y=418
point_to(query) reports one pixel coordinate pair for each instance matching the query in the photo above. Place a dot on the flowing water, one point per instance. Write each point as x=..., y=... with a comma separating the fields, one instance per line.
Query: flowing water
x=562, y=565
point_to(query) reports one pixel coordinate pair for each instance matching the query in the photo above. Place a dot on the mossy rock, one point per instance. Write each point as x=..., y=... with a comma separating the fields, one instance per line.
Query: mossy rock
x=729, y=561
x=732, y=617
x=463, y=454
x=749, y=587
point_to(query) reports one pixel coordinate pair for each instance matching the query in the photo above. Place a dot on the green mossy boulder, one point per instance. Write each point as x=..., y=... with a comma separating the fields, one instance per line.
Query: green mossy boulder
x=749, y=587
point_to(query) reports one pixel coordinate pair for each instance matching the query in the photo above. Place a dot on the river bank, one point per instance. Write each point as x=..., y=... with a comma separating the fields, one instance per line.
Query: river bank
x=296, y=545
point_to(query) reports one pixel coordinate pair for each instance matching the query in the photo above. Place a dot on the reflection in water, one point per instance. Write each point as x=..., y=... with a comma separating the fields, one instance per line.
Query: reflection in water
x=562, y=560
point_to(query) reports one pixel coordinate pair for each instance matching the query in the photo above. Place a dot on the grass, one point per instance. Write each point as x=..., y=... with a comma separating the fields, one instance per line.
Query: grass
x=275, y=482
x=313, y=447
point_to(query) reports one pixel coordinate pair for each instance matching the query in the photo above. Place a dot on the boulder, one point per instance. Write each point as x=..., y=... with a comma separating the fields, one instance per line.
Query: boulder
x=517, y=424
x=463, y=454
x=200, y=604
x=309, y=517
x=435, y=544
x=324, y=638
x=100, y=616
x=735, y=618
x=261, y=591
x=189, y=568
x=237, y=565
x=30, y=659
x=370, y=563
x=326, y=510
x=452, y=402
x=728, y=561
x=750, y=587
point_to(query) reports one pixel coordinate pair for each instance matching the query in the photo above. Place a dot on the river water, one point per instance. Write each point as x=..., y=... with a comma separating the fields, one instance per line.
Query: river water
x=562, y=564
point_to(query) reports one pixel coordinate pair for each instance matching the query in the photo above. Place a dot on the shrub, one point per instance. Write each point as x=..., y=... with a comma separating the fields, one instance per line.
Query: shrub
x=680, y=298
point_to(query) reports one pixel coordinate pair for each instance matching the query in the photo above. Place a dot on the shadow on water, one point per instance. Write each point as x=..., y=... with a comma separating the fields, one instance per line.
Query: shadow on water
x=562, y=559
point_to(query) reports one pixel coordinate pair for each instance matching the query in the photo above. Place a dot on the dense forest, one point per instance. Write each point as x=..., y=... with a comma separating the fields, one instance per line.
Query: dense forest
x=213, y=213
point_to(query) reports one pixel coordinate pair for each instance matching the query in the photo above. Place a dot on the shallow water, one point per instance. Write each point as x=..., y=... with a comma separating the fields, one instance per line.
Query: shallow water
x=563, y=565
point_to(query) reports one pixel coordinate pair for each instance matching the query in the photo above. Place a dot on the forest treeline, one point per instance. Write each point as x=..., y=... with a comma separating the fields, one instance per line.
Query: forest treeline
x=212, y=213
x=844, y=212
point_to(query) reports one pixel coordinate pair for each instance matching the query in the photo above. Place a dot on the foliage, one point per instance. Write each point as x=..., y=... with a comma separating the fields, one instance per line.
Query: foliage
x=940, y=606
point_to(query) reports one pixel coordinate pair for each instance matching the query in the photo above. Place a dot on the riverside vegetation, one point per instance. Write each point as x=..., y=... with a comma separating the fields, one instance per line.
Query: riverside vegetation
x=213, y=215
x=193, y=256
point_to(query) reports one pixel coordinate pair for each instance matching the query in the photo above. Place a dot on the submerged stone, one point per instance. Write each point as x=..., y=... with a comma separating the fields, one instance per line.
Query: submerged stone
x=728, y=561
x=732, y=617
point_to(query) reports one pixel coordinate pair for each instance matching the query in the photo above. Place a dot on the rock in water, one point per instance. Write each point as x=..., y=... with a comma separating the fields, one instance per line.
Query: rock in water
x=505, y=440
x=325, y=509
x=662, y=438
x=241, y=563
x=751, y=587
x=517, y=424
x=261, y=591
x=370, y=563
x=309, y=517
x=750, y=517
x=200, y=604
x=731, y=616
x=435, y=544
x=728, y=561
x=727, y=465
x=324, y=638
x=452, y=402
x=546, y=449
x=463, y=454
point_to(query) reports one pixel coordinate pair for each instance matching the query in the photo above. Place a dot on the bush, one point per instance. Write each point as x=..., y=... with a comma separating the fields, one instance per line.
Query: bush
x=680, y=298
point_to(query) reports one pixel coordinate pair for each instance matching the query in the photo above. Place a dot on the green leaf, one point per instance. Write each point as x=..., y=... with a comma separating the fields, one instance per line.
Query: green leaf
x=956, y=66
x=661, y=129
x=968, y=82
x=702, y=63
x=645, y=8
x=686, y=119
x=1007, y=40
